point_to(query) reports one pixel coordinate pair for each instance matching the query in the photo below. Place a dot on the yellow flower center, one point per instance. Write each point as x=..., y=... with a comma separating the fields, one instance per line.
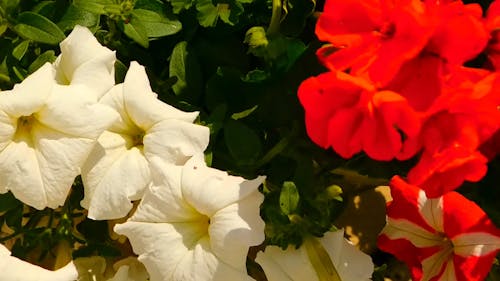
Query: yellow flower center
x=25, y=122
x=137, y=138
x=23, y=129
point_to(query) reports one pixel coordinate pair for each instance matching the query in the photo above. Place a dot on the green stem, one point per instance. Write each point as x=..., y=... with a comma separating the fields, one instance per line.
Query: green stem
x=274, y=25
x=277, y=149
x=8, y=237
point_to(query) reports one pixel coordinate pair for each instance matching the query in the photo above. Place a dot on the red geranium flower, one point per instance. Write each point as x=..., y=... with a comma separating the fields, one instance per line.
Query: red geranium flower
x=348, y=114
x=374, y=37
x=460, y=33
x=447, y=238
x=445, y=170
x=458, y=122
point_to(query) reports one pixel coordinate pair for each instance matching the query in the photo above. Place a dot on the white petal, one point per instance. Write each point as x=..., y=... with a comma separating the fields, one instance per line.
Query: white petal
x=235, y=228
x=449, y=272
x=289, y=265
x=351, y=264
x=84, y=61
x=70, y=110
x=7, y=128
x=60, y=157
x=200, y=264
x=20, y=173
x=98, y=74
x=161, y=246
x=432, y=265
x=141, y=103
x=29, y=96
x=175, y=141
x=475, y=244
x=404, y=229
x=113, y=176
x=209, y=190
x=14, y=269
x=114, y=99
x=431, y=210
x=163, y=202
x=130, y=269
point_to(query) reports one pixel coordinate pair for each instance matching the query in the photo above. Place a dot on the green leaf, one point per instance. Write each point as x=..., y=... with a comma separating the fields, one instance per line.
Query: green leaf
x=3, y=28
x=136, y=31
x=256, y=76
x=208, y=13
x=180, y=5
x=155, y=24
x=45, y=8
x=151, y=5
x=289, y=198
x=93, y=6
x=20, y=50
x=244, y=113
x=48, y=56
x=185, y=66
x=9, y=5
x=38, y=28
x=243, y=143
x=120, y=71
x=8, y=202
x=14, y=218
x=77, y=16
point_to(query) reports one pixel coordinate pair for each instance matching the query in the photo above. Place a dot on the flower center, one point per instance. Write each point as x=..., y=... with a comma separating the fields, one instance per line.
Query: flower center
x=387, y=30
x=137, y=139
x=25, y=122
x=23, y=130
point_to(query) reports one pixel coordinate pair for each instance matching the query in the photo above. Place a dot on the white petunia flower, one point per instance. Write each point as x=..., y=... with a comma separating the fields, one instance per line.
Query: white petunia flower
x=14, y=269
x=46, y=133
x=310, y=261
x=196, y=223
x=84, y=61
x=117, y=171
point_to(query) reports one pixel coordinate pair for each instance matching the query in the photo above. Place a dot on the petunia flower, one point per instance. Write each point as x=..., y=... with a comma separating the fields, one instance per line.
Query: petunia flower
x=46, y=133
x=446, y=238
x=117, y=171
x=14, y=269
x=350, y=115
x=345, y=262
x=195, y=223
x=84, y=61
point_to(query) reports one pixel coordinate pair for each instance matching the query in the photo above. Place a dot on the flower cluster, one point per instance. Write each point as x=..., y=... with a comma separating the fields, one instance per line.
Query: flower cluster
x=69, y=118
x=400, y=84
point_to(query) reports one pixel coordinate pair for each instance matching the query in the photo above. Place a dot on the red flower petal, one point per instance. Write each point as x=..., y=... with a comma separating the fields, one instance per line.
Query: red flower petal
x=442, y=172
x=461, y=25
x=389, y=113
x=469, y=239
x=374, y=38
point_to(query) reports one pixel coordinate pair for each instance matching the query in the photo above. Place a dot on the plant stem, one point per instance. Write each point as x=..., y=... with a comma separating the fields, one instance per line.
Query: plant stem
x=274, y=25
